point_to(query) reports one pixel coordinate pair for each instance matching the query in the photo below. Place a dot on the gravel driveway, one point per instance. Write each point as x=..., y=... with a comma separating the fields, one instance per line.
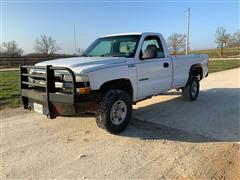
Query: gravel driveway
x=167, y=139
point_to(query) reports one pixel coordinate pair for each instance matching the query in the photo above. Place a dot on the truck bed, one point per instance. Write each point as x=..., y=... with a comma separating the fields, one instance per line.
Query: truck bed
x=182, y=64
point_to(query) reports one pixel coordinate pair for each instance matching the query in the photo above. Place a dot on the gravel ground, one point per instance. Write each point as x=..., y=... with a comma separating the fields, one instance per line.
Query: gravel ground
x=167, y=139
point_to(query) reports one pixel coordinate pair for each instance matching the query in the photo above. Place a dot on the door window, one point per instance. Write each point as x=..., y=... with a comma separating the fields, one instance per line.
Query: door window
x=152, y=48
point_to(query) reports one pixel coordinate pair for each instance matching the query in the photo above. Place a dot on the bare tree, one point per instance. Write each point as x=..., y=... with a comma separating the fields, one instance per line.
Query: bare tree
x=231, y=42
x=221, y=38
x=176, y=42
x=11, y=49
x=236, y=38
x=46, y=45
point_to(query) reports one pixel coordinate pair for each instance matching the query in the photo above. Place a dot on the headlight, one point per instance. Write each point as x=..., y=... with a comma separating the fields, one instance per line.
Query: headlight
x=79, y=78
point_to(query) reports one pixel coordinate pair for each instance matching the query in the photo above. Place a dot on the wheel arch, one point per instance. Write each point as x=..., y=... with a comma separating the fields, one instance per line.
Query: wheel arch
x=122, y=84
x=196, y=70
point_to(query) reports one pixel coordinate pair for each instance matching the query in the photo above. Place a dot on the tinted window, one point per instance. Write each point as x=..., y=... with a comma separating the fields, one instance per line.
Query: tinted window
x=114, y=46
x=102, y=48
x=153, y=42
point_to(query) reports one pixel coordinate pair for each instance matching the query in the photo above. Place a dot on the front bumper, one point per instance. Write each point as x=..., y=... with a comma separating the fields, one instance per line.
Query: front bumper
x=60, y=104
x=55, y=103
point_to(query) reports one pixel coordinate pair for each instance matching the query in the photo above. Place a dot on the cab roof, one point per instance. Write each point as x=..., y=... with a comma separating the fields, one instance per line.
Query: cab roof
x=132, y=33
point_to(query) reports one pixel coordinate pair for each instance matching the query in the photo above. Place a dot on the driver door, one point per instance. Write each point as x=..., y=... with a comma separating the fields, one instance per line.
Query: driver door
x=154, y=73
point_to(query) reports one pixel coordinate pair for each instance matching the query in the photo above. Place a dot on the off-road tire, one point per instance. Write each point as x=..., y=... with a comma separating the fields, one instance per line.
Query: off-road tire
x=103, y=111
x=187, y=90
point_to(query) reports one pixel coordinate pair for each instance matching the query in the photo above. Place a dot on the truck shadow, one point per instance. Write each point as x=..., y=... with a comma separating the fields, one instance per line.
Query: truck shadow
x=214, y=117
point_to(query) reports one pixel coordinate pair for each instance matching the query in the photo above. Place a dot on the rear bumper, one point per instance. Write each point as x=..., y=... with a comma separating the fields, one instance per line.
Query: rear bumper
x=50, y=101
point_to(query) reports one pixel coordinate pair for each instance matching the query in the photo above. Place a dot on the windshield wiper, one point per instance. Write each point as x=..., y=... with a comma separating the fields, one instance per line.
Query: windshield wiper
x=106, y=55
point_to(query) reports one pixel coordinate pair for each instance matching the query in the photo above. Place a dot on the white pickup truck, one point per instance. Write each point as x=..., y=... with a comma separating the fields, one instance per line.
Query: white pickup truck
x=115, y=72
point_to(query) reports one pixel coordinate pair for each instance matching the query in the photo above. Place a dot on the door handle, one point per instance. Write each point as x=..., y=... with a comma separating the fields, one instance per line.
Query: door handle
x=165, y=65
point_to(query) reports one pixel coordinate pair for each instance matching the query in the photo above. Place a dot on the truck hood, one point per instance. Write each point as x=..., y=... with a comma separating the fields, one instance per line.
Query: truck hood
x=80, y=64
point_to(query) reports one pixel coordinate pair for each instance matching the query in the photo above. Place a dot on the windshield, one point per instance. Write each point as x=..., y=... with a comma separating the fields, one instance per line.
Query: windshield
x=114, y=46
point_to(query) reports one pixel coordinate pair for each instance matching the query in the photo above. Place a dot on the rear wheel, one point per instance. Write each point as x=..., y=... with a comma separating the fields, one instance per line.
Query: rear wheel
x=114, y=111
x=191, y=90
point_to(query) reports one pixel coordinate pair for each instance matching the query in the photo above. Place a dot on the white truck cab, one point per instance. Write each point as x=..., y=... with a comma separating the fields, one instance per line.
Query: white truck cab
x=115, y=72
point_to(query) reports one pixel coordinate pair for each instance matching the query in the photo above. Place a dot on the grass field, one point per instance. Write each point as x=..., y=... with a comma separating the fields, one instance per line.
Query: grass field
x=9, y=89
x=215, y=66
x=215, y=53
x=9, y=82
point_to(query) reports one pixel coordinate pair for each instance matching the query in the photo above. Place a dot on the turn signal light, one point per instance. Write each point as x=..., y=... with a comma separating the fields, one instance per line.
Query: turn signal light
x=84, y=90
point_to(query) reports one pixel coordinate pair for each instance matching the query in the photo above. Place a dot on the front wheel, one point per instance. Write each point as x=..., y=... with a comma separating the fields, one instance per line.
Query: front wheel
x=191, y=90
x=114, y=111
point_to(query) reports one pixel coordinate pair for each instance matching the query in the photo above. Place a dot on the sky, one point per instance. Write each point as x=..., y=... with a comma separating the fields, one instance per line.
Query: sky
x=25, y=20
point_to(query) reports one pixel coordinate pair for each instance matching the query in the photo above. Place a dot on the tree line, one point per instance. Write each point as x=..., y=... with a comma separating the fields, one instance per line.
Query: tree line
x=223, y=39
x=177, y=42
x=46, y=45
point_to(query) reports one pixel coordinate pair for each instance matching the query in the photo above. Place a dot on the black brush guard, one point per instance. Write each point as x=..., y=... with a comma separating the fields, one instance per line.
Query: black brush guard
x=54, y=103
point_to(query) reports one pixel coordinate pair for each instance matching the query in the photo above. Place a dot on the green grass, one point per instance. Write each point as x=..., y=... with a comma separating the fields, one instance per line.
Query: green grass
x=215, y=66
x=9, y=82
x=9, y=89
x=215, y=53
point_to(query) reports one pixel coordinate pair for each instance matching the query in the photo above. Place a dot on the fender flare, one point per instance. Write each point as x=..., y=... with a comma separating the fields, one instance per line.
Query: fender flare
x=194, y=66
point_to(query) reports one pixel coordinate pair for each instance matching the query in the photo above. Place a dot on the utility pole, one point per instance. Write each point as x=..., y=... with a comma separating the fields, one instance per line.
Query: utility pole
x=187, y=31
x=75, y=41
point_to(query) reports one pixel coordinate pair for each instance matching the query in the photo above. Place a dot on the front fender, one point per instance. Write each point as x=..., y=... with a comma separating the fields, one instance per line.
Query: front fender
x=98, y=77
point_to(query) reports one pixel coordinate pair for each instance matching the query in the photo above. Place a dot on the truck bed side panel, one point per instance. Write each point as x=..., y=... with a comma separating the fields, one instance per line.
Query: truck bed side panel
x=182, y=65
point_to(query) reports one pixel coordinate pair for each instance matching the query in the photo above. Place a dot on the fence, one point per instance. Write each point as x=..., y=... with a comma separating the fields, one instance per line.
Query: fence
x=9, y=62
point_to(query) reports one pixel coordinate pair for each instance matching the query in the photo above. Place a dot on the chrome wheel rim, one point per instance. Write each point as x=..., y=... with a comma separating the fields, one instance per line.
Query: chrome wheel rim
x=118, y=112
x=194, y=88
